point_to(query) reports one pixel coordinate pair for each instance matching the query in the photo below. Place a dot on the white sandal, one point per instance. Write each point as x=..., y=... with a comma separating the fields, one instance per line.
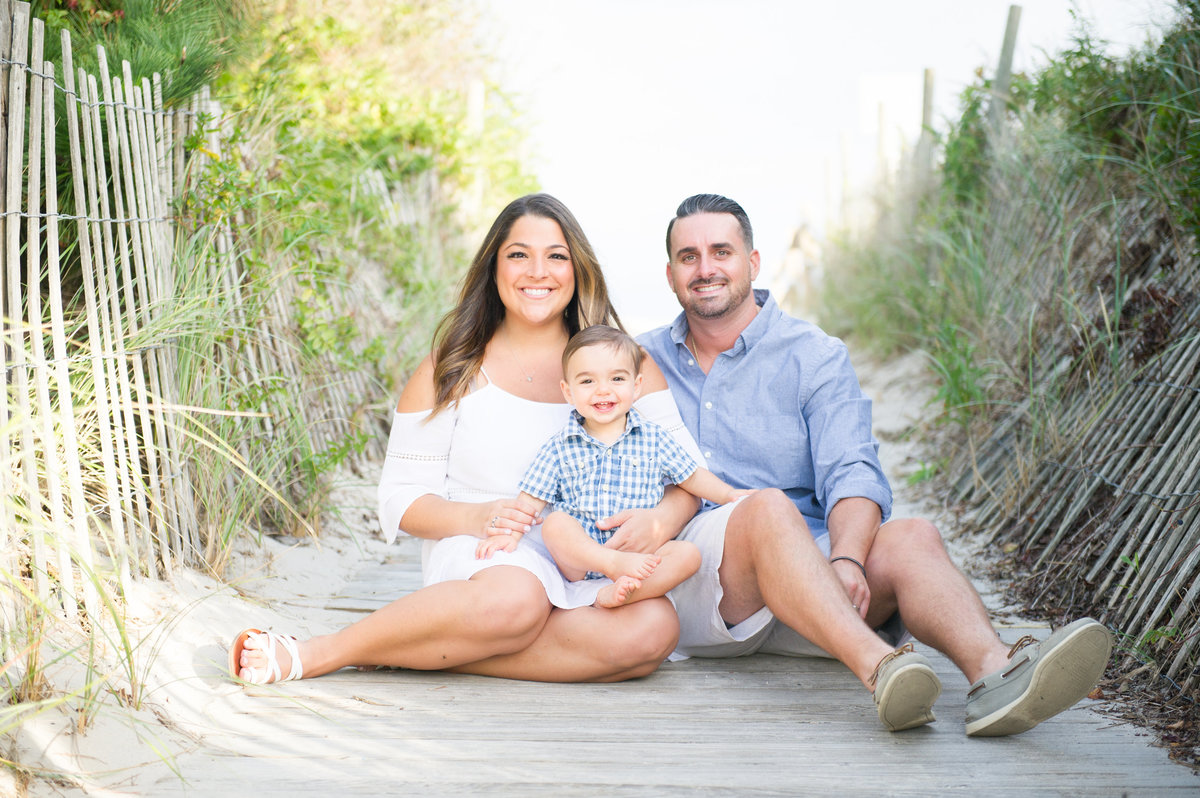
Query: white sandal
x=268, y=640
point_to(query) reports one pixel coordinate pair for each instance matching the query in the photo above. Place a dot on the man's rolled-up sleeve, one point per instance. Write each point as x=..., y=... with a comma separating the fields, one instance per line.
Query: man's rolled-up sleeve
x=845, y=453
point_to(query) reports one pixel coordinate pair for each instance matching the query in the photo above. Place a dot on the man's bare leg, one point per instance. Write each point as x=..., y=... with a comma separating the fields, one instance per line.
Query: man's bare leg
x=908, y=569
x=771, y=560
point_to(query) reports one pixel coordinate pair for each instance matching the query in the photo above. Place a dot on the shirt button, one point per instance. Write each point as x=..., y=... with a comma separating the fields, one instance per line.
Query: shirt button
x=708, y=455
x=708, y=405
x=691, y=362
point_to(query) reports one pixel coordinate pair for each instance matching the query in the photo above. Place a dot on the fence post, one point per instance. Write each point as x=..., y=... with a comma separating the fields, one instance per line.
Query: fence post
x=81, y=548
x=1003, y=80
x=99, y=339
x=8, y=521
x=15, y=329
x=923, y=171
x=128, y=460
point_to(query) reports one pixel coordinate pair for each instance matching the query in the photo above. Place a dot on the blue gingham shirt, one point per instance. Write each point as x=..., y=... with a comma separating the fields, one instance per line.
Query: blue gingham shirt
x=591, y=480
x=782, y=408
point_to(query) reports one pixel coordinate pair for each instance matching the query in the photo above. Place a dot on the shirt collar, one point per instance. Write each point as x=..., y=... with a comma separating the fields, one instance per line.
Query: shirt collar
x=768, y=313
x=575, y=429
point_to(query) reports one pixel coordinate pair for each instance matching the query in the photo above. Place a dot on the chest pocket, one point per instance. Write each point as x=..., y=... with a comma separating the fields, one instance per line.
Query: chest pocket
x=639, y=479
x=580, y=467
x=608, y=481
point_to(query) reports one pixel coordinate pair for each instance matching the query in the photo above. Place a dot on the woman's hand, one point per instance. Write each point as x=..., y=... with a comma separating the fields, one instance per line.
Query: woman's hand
x=508, y=516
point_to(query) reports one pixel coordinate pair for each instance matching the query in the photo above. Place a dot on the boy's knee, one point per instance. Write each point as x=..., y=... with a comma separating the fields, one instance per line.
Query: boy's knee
x=558, y=524
x=686, y=554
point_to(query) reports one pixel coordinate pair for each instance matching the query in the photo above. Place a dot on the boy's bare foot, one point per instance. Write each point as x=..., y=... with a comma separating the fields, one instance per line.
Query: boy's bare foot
x=618, y=593
x=629, y=563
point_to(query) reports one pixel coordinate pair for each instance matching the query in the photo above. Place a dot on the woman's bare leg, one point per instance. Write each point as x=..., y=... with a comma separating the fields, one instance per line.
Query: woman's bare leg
x=591, y=645
x=498, y=611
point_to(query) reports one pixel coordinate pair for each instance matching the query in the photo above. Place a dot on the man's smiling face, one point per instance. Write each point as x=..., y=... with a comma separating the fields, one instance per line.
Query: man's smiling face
x=710, y=269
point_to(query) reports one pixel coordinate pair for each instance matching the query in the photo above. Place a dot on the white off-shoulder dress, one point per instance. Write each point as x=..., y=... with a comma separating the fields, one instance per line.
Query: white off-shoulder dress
x=478, y=451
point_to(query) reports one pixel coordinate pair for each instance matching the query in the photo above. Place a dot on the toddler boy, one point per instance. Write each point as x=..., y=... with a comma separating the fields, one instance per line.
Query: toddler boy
x=608, y=458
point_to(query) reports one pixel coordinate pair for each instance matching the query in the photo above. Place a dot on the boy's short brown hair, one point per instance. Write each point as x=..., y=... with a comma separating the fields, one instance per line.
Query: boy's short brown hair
x=603, y=335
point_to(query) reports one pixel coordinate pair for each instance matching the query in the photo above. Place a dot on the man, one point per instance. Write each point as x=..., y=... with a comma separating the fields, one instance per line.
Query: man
x=806, y=565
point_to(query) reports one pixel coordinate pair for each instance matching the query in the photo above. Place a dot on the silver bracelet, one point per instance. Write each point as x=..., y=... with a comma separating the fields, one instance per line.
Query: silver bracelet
x=851, y=559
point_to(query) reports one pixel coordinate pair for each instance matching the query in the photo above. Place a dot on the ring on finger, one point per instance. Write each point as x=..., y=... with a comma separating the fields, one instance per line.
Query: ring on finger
x=495, y=520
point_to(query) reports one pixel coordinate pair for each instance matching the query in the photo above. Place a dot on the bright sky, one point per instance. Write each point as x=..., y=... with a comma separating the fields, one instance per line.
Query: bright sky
x=635, y=104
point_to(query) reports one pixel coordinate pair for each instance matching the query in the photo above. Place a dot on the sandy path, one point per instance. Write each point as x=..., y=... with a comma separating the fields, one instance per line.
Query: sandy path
x=195, y=724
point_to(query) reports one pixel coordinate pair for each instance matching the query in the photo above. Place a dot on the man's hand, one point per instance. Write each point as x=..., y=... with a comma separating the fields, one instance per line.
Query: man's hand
x=639, y=531
x=643, y=531
x=853, y=523
x=854, y=582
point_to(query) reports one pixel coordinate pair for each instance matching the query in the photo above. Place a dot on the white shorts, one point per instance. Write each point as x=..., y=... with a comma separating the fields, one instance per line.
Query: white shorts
x=702, y=631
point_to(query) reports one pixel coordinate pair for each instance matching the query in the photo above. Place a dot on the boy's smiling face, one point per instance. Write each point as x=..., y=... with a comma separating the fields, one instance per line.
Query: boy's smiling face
x=602, y=384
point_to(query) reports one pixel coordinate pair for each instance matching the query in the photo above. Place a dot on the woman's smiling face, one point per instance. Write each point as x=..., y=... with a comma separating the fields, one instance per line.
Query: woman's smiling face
x=535, y=276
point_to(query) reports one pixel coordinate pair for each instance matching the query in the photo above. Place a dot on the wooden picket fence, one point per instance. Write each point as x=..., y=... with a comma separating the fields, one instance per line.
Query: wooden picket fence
x=1111, y=507
x=1094, y=476
x=93, y=468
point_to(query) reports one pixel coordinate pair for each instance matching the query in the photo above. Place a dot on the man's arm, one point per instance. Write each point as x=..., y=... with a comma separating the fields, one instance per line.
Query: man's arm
x=852, y=524
x=645, y=530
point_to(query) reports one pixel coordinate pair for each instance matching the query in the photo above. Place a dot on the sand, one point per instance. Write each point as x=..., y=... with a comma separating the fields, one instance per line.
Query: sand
x=182, y=627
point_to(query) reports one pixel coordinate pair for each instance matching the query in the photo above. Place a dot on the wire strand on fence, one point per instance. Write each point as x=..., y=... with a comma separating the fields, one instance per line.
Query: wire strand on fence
x=98, y=104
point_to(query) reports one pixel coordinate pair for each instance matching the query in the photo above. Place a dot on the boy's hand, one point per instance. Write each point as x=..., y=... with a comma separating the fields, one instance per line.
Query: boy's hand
x=495, y=543
x=739, y=493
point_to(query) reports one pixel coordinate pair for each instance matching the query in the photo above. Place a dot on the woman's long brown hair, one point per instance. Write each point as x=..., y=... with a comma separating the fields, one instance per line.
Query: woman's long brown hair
x=463, y=334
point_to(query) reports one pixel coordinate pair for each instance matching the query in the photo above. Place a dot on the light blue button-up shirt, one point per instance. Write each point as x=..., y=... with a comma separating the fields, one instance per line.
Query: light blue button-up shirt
x=781, y=409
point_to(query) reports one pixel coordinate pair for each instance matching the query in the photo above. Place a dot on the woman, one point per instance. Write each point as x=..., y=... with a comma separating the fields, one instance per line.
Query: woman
x=468, y=423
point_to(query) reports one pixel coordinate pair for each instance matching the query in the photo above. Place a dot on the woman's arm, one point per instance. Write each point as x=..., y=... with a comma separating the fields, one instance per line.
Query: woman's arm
x=412, y=487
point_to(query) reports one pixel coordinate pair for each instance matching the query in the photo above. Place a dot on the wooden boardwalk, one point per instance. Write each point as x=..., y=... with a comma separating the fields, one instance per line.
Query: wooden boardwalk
x=755, y=726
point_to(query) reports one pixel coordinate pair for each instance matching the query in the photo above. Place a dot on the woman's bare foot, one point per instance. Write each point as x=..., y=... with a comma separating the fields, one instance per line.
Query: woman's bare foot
x=629, y=563
x=619, y=593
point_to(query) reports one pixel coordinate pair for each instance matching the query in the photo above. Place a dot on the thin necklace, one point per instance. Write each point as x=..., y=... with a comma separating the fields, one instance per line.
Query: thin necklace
x=513, y=354
x=691, y=348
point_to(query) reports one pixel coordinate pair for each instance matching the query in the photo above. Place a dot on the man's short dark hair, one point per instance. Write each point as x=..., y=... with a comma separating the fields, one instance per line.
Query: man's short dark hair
x=712, y=203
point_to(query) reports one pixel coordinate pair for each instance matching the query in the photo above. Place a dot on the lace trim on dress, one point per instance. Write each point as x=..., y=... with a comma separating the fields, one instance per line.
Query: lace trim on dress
x=673, y=428
x=419, y=458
